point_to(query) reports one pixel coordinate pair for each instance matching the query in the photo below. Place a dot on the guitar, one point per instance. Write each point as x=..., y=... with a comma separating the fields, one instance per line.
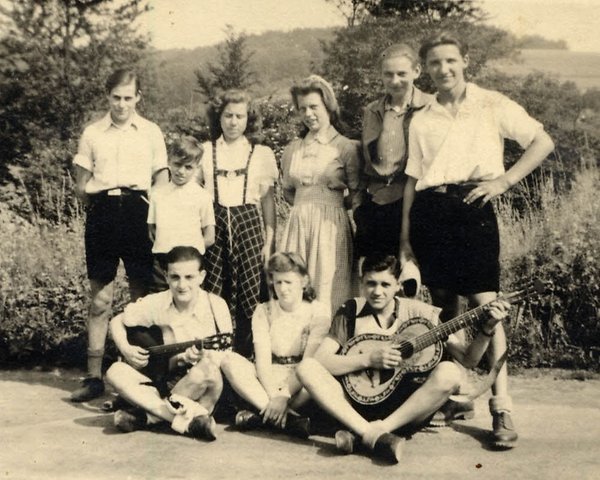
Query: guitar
x=419, y=342
x=151, y=339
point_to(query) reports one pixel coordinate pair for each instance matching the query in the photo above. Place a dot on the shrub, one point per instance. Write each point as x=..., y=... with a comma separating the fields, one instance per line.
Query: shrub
x=43, y=292
x=558, y=243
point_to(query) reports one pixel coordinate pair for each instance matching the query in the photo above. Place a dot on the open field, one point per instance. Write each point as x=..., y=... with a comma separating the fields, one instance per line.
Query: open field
x=583, y=68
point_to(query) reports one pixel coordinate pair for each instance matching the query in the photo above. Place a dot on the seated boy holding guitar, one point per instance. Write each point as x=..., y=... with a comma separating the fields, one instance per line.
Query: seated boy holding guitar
x=357, y=373
x=189, y=320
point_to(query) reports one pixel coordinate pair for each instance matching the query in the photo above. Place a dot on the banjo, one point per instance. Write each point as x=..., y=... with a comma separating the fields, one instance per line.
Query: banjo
x=419, y=342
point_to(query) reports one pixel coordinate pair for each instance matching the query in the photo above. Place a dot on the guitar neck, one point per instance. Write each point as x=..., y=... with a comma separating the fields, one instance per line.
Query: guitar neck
x=174, y=348
x=441, y=332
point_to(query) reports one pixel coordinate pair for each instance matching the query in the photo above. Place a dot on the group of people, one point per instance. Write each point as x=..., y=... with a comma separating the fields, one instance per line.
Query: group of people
x=195, y=226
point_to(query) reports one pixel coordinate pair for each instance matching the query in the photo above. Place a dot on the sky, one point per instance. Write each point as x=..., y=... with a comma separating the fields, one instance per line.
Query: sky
x=193, y=23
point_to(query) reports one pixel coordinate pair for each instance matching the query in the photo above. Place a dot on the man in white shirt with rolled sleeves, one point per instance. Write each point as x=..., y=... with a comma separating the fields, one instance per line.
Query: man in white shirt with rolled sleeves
x=118, y=160
x=455, y=167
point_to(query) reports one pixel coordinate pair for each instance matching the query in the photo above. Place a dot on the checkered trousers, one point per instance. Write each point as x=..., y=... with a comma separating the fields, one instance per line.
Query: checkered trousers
x=234, y=265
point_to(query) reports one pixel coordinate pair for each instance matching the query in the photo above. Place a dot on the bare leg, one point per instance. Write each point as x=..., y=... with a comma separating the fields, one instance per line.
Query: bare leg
x=203, y=384
x=441, y=383
x=497, y=345
x=242, y=376
x=99, y=315
x=504, y=434
x=328, y=393
x=127, y=381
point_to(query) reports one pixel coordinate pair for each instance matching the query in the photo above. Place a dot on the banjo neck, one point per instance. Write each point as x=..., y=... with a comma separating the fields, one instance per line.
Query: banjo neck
x=408, y=347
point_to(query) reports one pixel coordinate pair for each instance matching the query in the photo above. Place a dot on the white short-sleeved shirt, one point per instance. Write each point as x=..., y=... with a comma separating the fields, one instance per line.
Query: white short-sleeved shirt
x=290, y=333
x=262, y=171
x=159, y=309
x=121, y=156
x=470, y=146
x=180, y=213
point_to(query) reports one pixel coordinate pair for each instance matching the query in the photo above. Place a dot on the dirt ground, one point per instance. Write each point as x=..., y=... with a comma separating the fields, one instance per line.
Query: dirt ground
x=43, y=435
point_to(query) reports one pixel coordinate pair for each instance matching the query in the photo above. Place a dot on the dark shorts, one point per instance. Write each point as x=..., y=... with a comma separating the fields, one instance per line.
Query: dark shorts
x=380, y=411
x=457, y=245
x=116, y=229
x=159, y=273
x=378, y=228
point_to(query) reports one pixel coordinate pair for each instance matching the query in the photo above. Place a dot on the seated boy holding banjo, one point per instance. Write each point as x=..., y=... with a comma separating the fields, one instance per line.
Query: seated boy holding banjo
x=189, y=324
x=358, y=375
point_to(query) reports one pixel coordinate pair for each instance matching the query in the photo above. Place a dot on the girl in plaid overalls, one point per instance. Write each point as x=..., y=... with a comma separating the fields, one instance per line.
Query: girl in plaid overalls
x=240, y=175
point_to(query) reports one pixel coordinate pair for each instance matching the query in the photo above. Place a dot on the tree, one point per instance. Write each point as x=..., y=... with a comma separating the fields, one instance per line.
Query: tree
x=357, y=11
x=232, y=70
x=55, y=57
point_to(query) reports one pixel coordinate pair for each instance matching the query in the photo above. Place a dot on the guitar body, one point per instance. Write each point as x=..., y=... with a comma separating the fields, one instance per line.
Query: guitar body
x=372, y=386
x=148, y=337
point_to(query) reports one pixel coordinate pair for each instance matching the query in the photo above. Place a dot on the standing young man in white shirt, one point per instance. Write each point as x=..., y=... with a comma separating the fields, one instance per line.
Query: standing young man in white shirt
x=455, y=167
x=119, y=158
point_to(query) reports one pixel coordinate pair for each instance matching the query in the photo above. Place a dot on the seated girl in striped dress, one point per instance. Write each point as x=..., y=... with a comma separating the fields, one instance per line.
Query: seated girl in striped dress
x=286, y=329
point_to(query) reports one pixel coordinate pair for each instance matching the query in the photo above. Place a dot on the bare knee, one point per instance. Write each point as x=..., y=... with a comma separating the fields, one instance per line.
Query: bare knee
x=204, y=373
x=446, y=377
x=101, y=302
x=307, y=369
x=118, y=373
x=232, y=364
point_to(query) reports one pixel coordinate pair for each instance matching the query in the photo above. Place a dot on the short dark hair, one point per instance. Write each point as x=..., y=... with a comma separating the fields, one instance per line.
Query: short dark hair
x=283, y=262
x=187, y=148
x=442, y=38
x=123, y=76
x=218, y=104
x=184, y=254
x=400, y=50
x=379, y=262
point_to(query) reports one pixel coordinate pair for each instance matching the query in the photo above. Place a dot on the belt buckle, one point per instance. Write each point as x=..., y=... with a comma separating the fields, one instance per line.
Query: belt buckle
x=231, y=175
x=114, y=192
x=441, y=189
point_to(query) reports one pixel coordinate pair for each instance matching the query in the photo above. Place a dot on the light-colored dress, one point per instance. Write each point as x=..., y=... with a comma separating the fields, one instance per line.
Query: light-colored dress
x=319, y=170
x=289, y=334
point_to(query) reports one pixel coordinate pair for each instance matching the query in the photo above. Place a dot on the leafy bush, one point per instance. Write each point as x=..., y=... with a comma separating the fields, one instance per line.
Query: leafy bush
x=558, y=243
x=43, y=292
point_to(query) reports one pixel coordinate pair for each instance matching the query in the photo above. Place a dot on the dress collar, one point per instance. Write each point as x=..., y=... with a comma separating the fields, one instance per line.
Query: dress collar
x=323, y=138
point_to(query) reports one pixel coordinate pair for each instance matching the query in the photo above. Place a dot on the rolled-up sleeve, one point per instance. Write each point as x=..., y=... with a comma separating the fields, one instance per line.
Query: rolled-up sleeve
x=515, y=123
x=414, y=164
x=159, y=160
x=83, y=158
x=141, y=313
x=350, y=157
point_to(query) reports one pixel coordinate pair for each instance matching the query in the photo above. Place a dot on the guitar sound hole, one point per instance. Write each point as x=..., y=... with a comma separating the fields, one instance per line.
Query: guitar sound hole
x=407, y=350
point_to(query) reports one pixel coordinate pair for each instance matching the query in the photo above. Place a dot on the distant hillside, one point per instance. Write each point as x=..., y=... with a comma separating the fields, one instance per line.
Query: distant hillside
x=281, y=57
x=583, y=68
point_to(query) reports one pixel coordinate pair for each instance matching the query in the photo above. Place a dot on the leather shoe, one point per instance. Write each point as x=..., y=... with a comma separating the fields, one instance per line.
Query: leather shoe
x=388, y=447
x=504, y=434
x=130, y=420
x=203, y=426
x=345, y=442
x=451, y=411
x=247, y=420
x=91, y=387
x=298, y=426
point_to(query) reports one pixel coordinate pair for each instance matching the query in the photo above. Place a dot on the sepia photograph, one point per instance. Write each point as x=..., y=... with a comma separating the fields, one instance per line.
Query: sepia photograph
x=276, y=239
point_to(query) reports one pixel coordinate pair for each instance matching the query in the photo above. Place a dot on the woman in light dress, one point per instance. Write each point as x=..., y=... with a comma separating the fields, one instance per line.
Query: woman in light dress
x=320, y=179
